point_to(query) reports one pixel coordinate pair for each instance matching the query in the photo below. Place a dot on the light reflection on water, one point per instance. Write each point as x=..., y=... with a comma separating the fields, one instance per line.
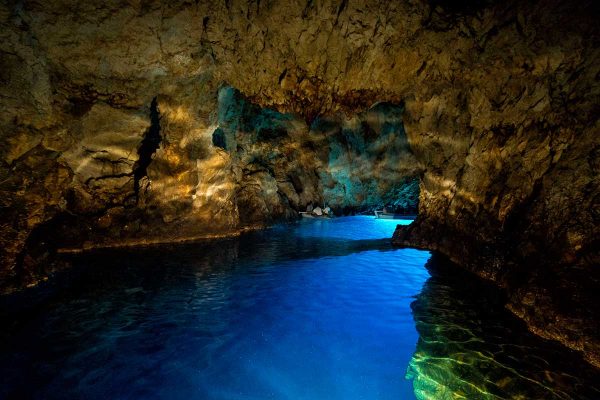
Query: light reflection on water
x=470, y=347
x=320, y=309
x=314, y=310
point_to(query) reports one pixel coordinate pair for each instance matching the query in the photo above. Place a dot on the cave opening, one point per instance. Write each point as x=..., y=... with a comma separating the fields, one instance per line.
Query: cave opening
x=350, y=163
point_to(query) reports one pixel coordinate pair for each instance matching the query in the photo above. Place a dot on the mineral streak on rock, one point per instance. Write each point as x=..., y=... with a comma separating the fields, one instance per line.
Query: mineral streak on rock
x=500, y=112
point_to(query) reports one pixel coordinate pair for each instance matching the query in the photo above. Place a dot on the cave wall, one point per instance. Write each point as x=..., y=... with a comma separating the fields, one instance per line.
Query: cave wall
x=500, y=107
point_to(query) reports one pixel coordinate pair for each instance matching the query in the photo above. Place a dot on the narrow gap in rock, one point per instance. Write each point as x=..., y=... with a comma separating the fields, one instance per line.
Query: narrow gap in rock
x=150, y=144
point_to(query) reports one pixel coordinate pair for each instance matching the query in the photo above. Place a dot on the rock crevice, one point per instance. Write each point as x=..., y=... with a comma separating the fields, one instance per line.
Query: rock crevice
x=147, y=148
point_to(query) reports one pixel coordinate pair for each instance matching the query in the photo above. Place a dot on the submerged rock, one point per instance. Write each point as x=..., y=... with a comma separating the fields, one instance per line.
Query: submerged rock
x=470, y=347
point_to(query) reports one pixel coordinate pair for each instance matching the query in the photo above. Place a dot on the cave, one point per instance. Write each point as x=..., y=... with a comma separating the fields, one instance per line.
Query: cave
x=300, y=199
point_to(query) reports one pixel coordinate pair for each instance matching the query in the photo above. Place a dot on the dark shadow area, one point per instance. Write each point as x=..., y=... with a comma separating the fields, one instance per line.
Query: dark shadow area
x=218, y=139
x=150, y=143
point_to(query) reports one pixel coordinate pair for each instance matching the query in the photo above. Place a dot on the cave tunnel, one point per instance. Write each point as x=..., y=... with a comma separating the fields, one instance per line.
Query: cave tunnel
x=299, y=200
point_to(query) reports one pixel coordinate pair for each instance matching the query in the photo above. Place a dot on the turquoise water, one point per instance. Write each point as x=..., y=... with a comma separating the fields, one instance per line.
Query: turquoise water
x=320, y=309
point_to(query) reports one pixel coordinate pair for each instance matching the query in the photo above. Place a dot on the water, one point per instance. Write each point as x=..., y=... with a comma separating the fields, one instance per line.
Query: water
x=321, y=309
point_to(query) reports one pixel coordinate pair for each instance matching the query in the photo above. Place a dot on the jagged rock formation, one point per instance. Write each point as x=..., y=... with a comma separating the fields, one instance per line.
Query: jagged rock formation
x=500, y=100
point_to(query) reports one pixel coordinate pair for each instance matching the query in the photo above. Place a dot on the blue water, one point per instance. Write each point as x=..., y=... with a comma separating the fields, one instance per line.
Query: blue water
x=320, y=309
x=314, y=310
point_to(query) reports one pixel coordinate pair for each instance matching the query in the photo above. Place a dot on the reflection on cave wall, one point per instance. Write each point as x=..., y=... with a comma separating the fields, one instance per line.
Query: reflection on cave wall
x=470, y=347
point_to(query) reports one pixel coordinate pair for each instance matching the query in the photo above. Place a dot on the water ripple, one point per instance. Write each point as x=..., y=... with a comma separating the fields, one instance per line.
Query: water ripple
x=313, y=310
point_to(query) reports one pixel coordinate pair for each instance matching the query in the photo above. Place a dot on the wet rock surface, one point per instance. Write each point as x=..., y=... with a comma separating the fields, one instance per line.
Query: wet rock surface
x=500, y=105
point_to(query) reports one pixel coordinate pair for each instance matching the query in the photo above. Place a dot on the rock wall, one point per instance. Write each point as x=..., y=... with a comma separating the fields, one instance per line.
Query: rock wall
x=500, y=110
